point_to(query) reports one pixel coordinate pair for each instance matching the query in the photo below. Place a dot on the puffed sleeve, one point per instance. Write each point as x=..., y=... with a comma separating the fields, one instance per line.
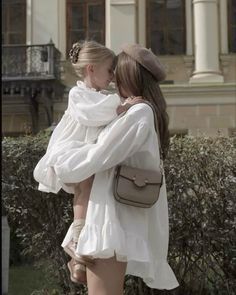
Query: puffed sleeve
x=119, y=140
x=93, y=108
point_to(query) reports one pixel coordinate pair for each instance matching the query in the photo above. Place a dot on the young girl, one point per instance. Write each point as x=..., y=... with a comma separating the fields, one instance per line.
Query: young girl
x=89, y=110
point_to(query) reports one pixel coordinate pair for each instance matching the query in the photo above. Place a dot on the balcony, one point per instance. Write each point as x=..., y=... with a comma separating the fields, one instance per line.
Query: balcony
x=31, y=83
x=30, y=62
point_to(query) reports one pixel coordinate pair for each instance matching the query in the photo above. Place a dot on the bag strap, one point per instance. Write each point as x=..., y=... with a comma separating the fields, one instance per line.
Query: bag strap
x=156, y=127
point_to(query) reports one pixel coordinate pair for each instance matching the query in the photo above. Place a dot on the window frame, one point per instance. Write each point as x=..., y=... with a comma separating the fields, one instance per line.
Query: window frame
x=7, y=12
x=231, y=26
x=166, y=30
x=86, y=5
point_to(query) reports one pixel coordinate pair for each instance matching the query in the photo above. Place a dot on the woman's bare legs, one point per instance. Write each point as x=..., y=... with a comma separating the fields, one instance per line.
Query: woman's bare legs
x=106, y=277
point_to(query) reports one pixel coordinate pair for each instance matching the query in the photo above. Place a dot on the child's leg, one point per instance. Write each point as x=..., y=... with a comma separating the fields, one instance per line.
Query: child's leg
x=81, y=198
x=80, y=205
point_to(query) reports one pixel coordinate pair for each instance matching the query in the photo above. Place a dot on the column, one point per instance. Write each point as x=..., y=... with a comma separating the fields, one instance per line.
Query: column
x=120, y=23
x=206, y=42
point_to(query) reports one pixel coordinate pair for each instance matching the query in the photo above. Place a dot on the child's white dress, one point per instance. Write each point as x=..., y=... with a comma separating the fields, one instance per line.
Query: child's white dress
x=136, y=235
x=87, y=113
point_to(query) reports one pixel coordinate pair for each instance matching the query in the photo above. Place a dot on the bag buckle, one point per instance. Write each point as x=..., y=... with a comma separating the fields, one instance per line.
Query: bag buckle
x=139, y=181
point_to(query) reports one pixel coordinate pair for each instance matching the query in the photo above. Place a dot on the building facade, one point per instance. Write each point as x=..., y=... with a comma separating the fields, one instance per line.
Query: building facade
x=194, y=39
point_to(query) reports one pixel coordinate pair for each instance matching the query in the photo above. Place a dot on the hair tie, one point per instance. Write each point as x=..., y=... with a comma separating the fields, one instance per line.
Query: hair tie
x=74, y=52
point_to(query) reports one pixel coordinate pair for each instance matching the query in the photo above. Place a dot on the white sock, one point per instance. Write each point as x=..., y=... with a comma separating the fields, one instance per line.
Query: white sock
x=78, y=224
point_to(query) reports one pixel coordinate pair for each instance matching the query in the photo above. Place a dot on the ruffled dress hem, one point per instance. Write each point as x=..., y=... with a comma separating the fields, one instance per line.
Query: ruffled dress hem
x=112, y=240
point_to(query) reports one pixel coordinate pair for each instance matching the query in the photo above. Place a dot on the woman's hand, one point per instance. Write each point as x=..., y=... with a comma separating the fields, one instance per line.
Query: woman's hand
x=134, y=100
x=129, y=102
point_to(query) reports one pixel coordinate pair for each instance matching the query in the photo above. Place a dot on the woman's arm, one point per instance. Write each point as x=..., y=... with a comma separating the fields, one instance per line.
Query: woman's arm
x=119, y=141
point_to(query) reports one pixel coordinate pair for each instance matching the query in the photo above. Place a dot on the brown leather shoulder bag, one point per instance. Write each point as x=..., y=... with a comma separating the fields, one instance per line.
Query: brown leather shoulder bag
x=138, y=187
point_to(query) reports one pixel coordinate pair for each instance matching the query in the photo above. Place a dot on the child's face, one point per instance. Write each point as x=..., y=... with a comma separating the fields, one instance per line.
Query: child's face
x=103, y=74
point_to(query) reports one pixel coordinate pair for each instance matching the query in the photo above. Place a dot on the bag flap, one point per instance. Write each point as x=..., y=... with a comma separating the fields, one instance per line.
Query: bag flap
x=140, y=176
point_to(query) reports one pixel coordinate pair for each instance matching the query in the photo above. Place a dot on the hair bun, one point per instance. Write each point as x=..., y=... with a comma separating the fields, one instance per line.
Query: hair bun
x=74, y=52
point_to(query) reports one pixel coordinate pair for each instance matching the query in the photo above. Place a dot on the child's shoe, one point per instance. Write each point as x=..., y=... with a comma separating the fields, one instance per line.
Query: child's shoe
x=70, y=248
x=77, y=272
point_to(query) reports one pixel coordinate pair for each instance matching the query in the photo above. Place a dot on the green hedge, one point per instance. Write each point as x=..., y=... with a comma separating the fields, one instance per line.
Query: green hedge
x=201, y=183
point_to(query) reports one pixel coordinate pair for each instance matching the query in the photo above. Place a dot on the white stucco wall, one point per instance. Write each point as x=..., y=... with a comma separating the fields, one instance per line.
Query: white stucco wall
x=122, y=24
x=47, y=20
x=44, y=23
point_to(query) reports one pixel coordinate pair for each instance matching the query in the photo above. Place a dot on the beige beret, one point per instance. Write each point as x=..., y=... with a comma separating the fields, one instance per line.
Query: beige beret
x=147, y=59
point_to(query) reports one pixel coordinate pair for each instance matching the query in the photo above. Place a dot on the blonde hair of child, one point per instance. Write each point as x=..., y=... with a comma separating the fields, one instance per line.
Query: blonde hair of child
x=83, y=53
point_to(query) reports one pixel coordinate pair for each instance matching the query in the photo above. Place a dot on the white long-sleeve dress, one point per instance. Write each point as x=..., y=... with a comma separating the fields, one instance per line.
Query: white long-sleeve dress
x=87, y=113
x=136, y=235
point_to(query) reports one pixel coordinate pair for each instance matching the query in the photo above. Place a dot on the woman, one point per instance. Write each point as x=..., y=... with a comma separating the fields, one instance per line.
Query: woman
x=124, y=239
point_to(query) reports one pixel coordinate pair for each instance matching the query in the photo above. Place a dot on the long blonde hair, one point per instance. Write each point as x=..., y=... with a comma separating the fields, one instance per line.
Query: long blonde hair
x=89, y=52
x=135, y=80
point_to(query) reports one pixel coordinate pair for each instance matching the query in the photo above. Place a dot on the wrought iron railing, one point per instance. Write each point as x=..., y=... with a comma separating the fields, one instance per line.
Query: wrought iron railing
x=30, y=62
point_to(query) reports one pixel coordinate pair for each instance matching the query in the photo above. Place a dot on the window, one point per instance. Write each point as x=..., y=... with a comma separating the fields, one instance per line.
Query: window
x=166, y=26
x=13, y=21
x=85, y=20
x=232, y=25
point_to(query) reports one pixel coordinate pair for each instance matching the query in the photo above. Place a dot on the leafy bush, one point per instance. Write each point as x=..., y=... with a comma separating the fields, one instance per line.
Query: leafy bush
x=201, y=178
x=40, y=220
x=201, y=181
x=28, y=279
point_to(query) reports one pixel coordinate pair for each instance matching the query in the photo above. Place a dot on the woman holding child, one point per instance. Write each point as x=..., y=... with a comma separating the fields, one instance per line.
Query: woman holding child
x=117, y=239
